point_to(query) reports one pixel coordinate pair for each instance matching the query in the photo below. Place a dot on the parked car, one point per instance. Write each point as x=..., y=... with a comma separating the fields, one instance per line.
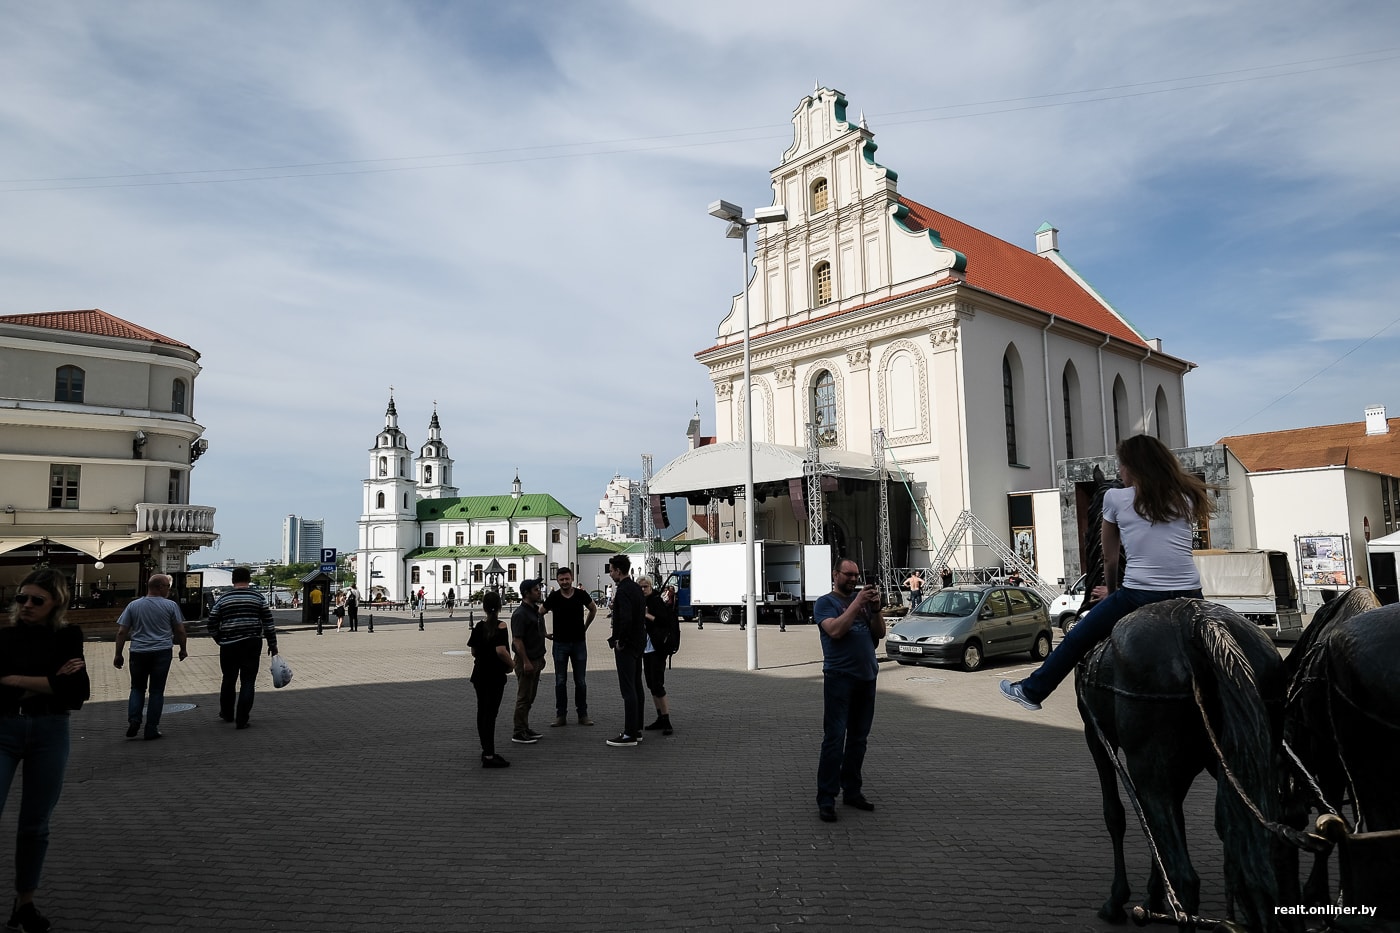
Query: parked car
x=965, y=624
x=1064, y=611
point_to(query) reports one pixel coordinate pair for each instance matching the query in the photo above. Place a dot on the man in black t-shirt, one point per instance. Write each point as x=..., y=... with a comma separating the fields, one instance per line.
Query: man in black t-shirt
x=566, y=607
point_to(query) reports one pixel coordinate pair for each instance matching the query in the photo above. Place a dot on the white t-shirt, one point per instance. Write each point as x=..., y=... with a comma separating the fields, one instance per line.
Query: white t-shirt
x=1159, y=555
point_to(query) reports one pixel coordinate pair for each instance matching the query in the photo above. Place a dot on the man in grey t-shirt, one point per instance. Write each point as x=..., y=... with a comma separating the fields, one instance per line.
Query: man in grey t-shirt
x=151, y=623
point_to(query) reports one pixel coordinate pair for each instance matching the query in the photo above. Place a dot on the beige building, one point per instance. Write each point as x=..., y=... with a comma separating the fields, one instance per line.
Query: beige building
x=97, y=444
x=983, y=362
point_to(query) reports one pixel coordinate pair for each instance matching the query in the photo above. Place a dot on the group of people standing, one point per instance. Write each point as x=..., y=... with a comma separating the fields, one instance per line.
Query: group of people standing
x=645, y=632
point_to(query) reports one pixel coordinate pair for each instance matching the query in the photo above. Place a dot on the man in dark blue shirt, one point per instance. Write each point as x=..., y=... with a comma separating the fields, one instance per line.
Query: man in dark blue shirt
x=850, y=624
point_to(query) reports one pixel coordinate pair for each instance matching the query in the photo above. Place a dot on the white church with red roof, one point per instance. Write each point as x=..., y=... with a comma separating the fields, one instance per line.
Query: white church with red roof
x=985, y=364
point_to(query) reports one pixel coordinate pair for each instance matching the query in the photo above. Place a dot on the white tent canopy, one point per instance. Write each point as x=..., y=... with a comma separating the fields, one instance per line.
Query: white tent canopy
x=1390, y=542
x=719, y=466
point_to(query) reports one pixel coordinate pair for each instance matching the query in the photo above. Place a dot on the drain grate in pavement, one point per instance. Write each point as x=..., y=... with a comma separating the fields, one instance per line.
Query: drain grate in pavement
x=927, y=680
x=454, y=652
x=177, y=708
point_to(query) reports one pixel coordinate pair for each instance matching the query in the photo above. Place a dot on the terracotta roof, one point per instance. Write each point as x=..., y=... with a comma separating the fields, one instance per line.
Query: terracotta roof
x=1004, y=269
x=1327, y=445
x=94, y=321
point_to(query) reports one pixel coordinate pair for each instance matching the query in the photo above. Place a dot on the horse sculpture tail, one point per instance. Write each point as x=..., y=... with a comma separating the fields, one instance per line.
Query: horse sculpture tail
x=1239, y=725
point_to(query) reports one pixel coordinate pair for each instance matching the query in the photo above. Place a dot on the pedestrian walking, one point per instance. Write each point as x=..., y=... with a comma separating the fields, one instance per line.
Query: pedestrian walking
x=567, y=607
x=238, y=622
x=152, y=624
x=339, y=611
x=352, y=608
x=42, y=678
x=915, y=585
x=1150, y=518
x=528, y=639
x=662, y=632
x=490, y=647
x=850, y=625
x=450, y=601
x=628, y=642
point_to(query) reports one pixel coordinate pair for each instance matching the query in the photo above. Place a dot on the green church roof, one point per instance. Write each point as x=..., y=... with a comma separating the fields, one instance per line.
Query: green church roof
x=529, y=505
x=475, y=550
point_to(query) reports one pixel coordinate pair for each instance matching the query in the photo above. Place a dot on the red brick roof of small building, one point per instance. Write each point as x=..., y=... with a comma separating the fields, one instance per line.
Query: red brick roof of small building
x=1327, y=445
x=1024, y=277
x=94, y=321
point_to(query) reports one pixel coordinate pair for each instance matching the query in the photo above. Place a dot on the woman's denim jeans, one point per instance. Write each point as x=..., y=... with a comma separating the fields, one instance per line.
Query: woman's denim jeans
x=1092, y=629
x=41, y=743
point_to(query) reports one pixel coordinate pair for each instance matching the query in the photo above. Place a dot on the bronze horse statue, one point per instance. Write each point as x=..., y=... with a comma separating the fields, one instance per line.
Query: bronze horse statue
x=1342, y=721
x=1181, y=687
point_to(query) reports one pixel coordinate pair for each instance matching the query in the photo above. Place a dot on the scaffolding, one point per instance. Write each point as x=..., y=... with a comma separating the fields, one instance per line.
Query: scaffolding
x=889, y=586
x=969, y=523
x=813, y=470
x=649, y=559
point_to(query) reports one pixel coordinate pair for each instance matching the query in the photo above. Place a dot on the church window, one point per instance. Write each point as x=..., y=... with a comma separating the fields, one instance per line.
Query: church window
x=383, y=469
x=379, y=501
x=427, y=539
x=820, y=195
x=401, y=467
x=177, y=396
x=1120, y=409
x=68, y=384
x=821, y=284
x=524, y=536
x=1008, y=400
x=554, y=536
x=1159, y=415
x=510, y=574
x=490, y=537
x=405, y=502
x=446, y=573
x=1069, y=389
x=413, y=576
x=428, y=475
x=477, y=573
x=459, y=539
x=824, y=409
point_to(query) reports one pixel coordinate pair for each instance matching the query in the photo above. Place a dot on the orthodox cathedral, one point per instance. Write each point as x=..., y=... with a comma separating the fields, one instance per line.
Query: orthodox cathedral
x=416, y=532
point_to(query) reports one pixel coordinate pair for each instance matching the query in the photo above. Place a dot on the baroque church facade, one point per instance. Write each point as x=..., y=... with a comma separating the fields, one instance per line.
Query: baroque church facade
x=417, y=532
x=984, y=363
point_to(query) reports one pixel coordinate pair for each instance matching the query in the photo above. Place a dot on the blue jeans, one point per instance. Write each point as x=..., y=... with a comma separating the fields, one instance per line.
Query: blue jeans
x=848, y=709
x=564, y=652
x=1092, y=629
x=41, y=742
x=153, y=666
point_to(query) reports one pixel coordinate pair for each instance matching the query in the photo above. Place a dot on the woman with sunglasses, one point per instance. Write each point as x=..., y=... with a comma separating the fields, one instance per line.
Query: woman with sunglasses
x=42, y=678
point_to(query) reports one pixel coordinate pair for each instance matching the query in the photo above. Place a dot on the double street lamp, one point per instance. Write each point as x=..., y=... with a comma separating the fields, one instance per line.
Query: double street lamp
x=739, y=226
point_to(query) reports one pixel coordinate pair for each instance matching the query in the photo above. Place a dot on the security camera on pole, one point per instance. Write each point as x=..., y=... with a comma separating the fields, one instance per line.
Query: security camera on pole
x=739, y=230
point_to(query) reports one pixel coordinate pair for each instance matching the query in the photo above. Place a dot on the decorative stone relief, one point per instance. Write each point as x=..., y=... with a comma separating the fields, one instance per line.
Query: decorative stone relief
x=858, y=358
x=784, y=374
x=944, y=338
x=920, y=436
x=724, y=390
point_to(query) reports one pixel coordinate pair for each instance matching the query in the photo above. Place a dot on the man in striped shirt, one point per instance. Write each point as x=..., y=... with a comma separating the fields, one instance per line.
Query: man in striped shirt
x=238, y=622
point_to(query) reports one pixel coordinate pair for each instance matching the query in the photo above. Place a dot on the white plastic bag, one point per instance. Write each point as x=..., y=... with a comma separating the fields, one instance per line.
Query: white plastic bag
x=281, y=671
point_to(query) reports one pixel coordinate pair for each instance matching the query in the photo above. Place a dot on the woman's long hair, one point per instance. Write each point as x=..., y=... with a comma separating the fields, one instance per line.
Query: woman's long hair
x=1163, y=491
x=51, y=582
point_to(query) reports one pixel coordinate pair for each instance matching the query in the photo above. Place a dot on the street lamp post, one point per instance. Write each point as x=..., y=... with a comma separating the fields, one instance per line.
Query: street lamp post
x=739, y=230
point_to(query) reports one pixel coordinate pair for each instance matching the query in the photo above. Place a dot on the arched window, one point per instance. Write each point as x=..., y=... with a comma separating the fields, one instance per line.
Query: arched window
x=821, y=197
x=428, y=475
x=401, y=467
x=68, y=384
x=821, y=284
x=177, y=396
x=427, y=539
x=490, y=537
x=1160, y=415
x=1069, y=389
x=379, y=501
x=1008, y=396
x=459, y=539
x=824, y=409
x=405, y=502
x=523, y=537
x=477, y=572
x=1120, y=410
x=554, y=536
x=383, y=466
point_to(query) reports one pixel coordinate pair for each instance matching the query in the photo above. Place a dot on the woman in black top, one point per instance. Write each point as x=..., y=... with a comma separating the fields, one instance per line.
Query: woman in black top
x=490, y=644
x=661, y=622
x=42, y=677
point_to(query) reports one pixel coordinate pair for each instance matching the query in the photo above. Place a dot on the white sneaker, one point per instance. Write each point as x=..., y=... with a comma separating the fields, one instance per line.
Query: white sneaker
x=1015, y=694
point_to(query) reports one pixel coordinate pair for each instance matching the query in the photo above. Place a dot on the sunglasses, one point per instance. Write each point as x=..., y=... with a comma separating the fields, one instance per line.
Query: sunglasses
x=24, y=599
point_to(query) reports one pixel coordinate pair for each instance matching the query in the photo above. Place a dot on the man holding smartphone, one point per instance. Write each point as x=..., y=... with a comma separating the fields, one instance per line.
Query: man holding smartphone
x=849, y=621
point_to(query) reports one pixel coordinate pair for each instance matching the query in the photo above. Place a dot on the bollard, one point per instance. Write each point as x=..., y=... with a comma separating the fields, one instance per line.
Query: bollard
x=420, y=620
x=371, y=624
x=318, y=625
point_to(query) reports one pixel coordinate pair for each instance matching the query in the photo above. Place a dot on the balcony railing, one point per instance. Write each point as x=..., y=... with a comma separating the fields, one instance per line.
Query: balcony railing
x=155, y=517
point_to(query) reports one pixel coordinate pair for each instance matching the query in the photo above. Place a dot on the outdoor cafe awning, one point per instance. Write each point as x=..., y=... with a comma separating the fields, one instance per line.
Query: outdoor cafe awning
x=14, y=544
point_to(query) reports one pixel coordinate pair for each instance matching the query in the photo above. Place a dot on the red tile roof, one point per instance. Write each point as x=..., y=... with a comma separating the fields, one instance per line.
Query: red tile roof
x=1327, y=445
x=94, y=321
x=1004, y=269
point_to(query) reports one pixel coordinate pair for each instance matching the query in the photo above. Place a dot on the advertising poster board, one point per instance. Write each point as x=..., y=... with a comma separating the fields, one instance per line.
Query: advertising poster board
x=1323, y=561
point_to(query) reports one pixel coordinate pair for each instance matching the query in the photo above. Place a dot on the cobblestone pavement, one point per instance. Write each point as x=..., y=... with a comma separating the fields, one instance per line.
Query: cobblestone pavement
x=357, y=802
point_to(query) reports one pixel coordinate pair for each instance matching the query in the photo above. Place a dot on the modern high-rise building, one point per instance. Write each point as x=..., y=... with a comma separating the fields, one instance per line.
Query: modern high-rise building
x=302, y=539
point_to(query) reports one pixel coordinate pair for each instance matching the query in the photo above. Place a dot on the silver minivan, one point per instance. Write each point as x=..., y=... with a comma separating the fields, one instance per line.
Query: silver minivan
x=963, y=625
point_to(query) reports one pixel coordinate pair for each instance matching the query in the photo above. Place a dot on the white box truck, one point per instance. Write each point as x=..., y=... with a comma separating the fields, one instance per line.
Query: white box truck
x=1256, y=584
x=788, y=578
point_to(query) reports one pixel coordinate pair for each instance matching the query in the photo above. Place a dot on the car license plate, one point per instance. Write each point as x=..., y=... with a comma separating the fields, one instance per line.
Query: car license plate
x=910, y=649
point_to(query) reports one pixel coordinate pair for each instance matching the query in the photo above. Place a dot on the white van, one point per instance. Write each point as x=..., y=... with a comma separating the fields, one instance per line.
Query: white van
x=1064, y=611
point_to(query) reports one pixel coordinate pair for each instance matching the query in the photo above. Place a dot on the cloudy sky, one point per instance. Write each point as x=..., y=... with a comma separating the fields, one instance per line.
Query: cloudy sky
x=500, y=206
